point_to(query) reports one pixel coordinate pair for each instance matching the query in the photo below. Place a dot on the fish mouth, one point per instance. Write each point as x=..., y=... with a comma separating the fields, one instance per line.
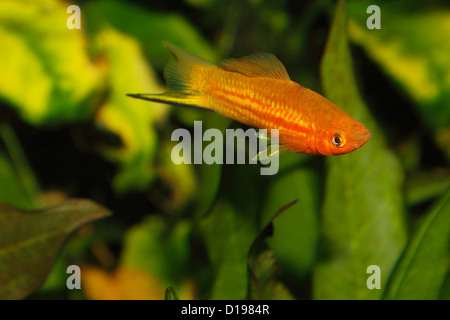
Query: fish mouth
x=362, y=138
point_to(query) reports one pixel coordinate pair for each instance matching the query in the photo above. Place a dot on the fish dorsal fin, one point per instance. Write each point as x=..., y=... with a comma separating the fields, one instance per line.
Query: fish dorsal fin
x=257, y=65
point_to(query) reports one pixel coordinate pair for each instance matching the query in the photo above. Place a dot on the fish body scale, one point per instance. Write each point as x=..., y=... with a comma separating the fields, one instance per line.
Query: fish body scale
x=259, y=102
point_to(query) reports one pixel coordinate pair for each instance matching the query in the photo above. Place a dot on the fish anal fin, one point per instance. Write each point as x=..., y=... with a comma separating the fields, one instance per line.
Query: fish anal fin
x=257, y=65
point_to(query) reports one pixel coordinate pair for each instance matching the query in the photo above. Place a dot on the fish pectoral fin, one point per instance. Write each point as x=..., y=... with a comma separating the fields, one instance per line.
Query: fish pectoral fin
x=257, y=65
x=272, y=150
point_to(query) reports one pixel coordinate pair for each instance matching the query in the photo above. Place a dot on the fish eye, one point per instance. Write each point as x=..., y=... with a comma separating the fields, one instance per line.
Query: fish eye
x=338, y=141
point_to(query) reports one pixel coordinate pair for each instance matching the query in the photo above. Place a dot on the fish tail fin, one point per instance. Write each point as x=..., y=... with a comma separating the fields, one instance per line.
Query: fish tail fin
x=184, y=76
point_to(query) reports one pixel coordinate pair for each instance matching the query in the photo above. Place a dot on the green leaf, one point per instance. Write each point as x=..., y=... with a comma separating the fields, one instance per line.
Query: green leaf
x=227, y=246
x=15, y=193
x=31, y=240
x=445, y=290
x=149, y=28
x=421, y=270
x=180, y=184
x=161, y=252
x=362, y=216
x=424, y=186
x=171, y=294
x=45, y=72
x=23, y=189
x=265, y=270
x=209, y=176
x=297, y=231
x=412, y=47
x=132, y=120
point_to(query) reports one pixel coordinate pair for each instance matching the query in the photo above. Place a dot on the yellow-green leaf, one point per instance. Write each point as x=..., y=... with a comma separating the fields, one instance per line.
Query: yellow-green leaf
x=46, y=74
x=412, y=48
x=132, y=120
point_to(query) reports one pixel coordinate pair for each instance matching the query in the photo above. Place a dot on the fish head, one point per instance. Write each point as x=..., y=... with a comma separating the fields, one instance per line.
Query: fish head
x=342, y=138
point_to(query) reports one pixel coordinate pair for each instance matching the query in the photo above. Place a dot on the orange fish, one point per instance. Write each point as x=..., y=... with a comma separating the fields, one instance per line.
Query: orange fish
x=256, y=90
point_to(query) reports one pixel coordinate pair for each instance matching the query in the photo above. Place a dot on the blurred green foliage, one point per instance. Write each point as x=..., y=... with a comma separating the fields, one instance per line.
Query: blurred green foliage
x=362, y=214
x=30, y=242
x=47, y=75
x=68, y=130
x=414, y=43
